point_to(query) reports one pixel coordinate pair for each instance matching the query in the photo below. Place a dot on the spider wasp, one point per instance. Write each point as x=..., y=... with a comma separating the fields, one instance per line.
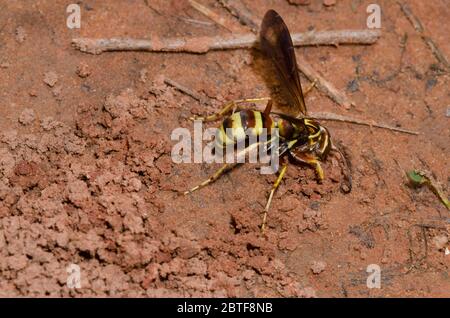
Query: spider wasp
x=303, y=140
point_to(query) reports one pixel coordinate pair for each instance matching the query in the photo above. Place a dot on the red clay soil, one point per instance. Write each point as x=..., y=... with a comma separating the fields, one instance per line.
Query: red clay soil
x=86, y=175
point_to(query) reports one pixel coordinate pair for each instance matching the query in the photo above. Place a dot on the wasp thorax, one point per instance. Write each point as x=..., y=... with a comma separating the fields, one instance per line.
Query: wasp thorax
x=288, y=130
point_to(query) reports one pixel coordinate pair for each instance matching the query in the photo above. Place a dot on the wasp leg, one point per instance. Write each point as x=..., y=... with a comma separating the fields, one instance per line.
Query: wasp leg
x=317, y=167
x=319, y=171
x=226, y=167
x=269, y=201
x=312, y=161
x=229, y=107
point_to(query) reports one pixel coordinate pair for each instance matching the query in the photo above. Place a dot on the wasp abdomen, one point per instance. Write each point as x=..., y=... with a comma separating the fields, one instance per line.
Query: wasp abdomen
x=243, y=124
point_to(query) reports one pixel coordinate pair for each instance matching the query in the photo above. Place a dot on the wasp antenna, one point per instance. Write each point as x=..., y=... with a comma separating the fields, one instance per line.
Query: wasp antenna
x=268, y=108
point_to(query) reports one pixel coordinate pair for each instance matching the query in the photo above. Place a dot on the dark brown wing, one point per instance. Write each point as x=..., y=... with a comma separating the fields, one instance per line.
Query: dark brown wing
x=297, y=121
x=276, y=43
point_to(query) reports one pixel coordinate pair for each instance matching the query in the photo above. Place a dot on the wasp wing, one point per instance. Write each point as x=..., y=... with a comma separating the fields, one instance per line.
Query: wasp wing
x=276, y=43
x=294, y=120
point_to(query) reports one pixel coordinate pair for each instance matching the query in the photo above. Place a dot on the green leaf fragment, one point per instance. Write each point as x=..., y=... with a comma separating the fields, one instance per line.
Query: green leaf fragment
x=419, y=178
x=416, y=178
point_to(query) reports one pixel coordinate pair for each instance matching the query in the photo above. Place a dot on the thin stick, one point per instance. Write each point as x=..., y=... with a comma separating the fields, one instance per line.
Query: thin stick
x=204, y=44
x=152, y=8
x=431, y=226
x=238, y=9
x=194, y=21
x=213, y=16
x=418, y=26
x=185, y=90
x=340, y=118
x=322, y=84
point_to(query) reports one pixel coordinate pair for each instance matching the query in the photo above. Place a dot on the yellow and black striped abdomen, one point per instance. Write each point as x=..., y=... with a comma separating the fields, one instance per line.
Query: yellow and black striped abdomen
x=242, y=124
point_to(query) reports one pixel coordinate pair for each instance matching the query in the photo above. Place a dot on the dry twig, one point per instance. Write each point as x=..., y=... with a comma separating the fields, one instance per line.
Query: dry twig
x=322, y=84
x=238, y=9
x=185, y=90
x=205, y=44
x=213, y=16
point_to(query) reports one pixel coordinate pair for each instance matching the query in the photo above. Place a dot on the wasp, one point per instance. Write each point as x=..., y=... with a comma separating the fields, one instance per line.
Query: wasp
x=302, y=140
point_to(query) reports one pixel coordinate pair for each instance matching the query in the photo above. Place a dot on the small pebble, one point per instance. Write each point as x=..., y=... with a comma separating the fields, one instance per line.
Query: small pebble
x=440, y=241
x=318, y=267
x=135, y=184
x=83, y=70
x=50, y=78
x=21, y=34
x=27, y=116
